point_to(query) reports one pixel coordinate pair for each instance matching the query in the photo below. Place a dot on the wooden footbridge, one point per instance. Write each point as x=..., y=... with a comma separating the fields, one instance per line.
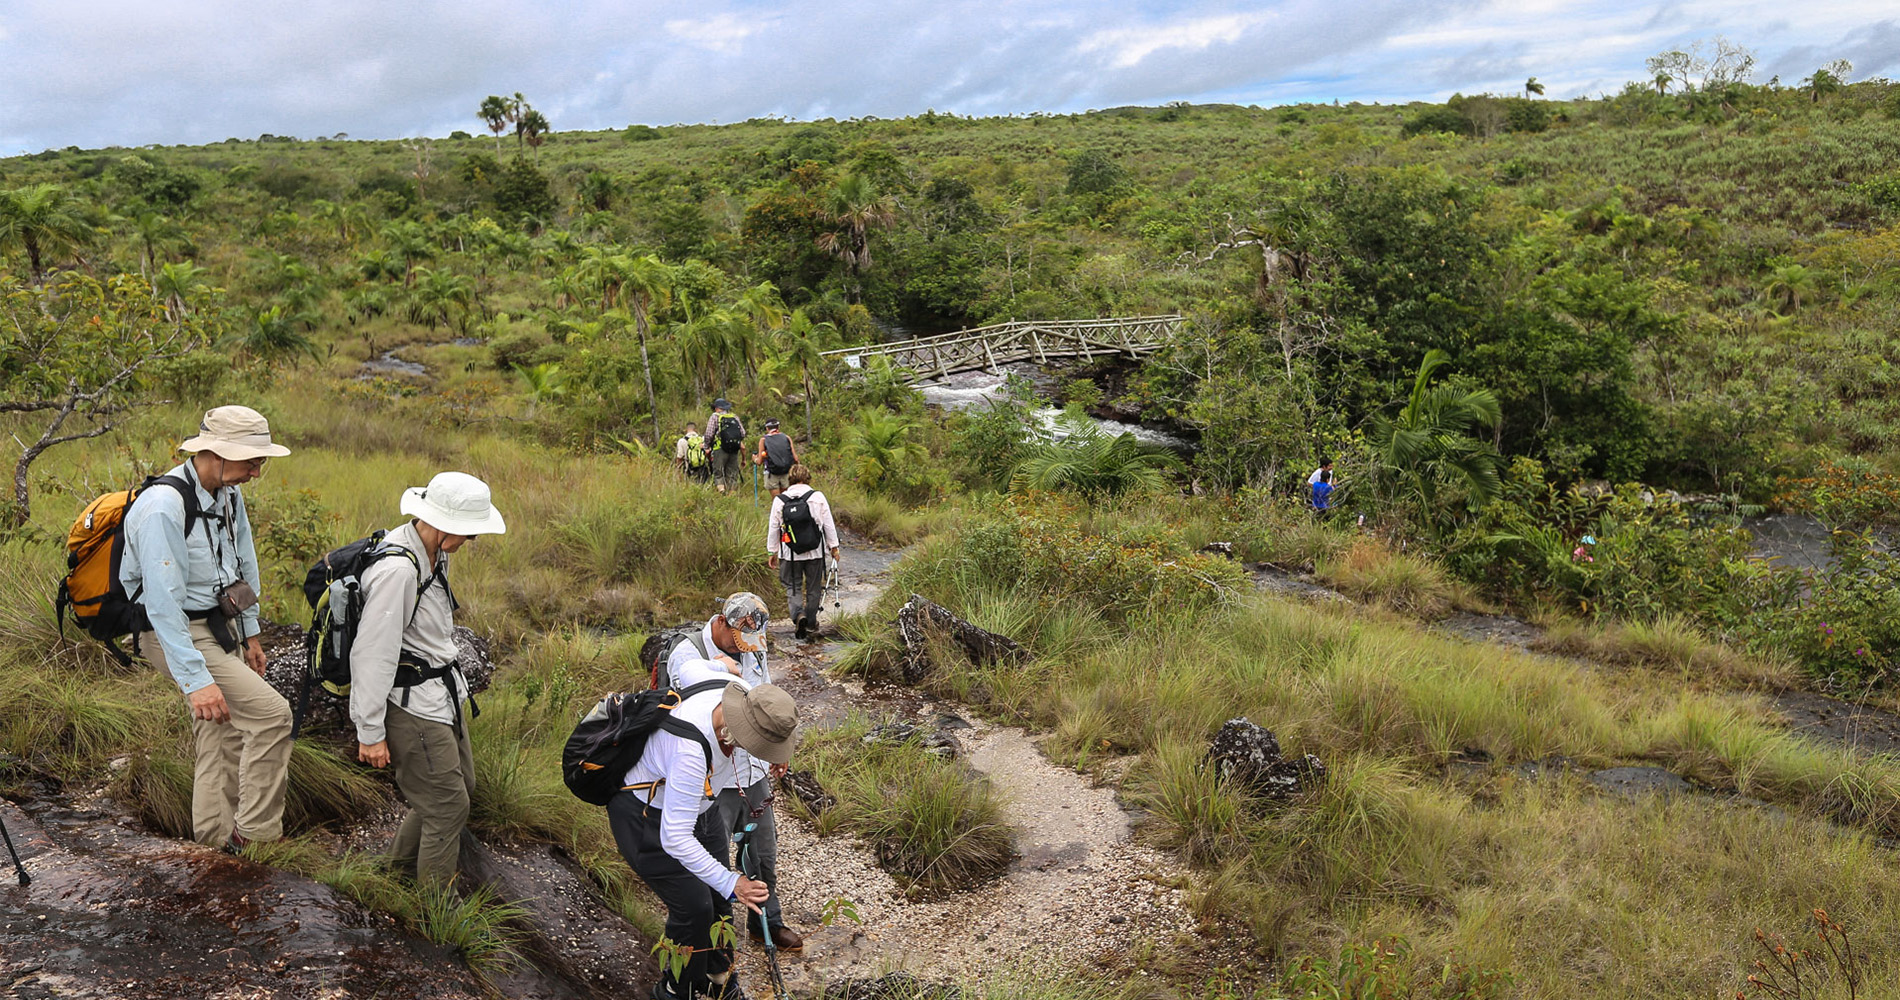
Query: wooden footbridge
x=1041, y=341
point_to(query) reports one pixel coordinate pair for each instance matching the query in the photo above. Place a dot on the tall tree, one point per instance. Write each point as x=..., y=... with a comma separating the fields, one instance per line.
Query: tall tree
x=43, y=220
x=647, y=283
x=1429, y=442
x=494, y=113
x=856, y=208
x=1531, y=86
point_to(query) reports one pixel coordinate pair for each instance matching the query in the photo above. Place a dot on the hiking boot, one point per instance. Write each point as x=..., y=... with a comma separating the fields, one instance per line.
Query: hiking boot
x=799, y=632
x=236, y=844
x=784, y=937
x=811, y=626
x=668, y=988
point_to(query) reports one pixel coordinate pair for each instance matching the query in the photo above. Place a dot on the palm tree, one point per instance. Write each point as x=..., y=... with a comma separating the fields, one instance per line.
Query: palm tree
x=879, y=448
x=173, y=284
x=409, y=241
x=803, y=343
x=533, y=127
x=1429, y=441
x=1789, y=284
x=543, y=381
x=1662, y=81
x=154, y=232
x=857, y=208
x=437, y=292
x=272, y=334
x=1090, y=461
x=42, y=220
x=647, y=283
x=495, y=114
x=1531, y=86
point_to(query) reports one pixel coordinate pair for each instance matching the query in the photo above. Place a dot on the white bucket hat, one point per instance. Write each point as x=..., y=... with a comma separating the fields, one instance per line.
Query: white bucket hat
x=236, y=433
x=456, y=503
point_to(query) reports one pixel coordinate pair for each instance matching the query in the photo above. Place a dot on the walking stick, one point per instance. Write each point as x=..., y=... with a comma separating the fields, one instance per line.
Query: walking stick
x=755, y=487
x=779, y=991
x=26, y=879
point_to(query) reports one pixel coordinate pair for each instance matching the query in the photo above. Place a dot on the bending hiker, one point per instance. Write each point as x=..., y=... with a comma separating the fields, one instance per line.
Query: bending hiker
x=1325, y=467
x=725, y=435
x=196, y=577
x=777, y=455
x=655, y=822
x=748, y=797
x=689, y=455
x=798, y=534
x=406, y=692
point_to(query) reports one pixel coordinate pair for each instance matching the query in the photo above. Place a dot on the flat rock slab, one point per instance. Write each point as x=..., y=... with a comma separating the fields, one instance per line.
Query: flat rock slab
x=1502, y=630
x=1832, y=720
x=116, y=913
x=1300, y=586
x=1634, y=781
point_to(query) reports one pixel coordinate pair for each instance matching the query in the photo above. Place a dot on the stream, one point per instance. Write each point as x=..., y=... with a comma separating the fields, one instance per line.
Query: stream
x=965, y=390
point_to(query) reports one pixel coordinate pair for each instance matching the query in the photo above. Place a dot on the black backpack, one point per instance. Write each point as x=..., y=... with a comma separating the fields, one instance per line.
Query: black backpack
x=659, y=648
x=797, y=528
x=731, y=433
x=334, y=588
x=778, y=454
x=609, y=740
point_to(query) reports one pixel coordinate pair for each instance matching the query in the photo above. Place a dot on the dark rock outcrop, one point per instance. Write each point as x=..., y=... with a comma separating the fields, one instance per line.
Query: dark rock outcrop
x=804, y=786
x=576, y=945
x=921, y=617
x=330, y=715
x=1249, y=755
x=933, y=741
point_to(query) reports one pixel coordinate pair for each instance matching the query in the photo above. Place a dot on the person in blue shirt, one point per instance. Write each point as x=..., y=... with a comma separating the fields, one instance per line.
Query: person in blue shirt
x=1323, y=491
x=199, y=588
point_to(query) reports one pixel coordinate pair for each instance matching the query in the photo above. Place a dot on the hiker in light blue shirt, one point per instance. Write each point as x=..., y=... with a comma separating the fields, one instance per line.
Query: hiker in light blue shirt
x=196, y=578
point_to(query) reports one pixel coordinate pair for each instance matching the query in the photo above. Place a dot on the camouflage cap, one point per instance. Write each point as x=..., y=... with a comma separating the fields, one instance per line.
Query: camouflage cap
x=745, y=614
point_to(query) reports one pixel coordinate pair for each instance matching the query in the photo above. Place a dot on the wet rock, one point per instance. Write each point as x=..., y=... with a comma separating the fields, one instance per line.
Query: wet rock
x=572, y=937
x=328, y=714
x=804, y=786
x=116, y=913
x=933, y=741
x=896, y=986
x=1634, y=781
x=920, y=618
x=1250, y=755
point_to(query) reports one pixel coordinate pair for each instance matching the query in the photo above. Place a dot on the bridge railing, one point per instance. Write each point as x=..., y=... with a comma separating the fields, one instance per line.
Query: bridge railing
x=987, y=347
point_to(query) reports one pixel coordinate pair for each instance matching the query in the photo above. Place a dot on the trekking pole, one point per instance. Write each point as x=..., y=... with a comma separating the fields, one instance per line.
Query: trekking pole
x=26, y=879
x=755, y=487
x=779, y=991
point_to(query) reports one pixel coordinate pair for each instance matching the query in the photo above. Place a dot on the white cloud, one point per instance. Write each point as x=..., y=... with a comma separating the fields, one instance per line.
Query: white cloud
x=1129, y=46
x=722, y=33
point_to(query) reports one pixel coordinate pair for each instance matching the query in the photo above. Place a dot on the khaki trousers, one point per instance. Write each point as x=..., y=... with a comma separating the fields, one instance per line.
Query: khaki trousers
x=435, y=770
x=237, y=785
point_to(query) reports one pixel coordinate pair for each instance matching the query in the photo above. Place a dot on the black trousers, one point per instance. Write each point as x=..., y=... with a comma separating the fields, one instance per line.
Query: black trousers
x=692, y=906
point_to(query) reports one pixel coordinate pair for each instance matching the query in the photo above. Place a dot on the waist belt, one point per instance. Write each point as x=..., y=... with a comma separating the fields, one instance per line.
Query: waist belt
x=412, y=669
x=198, y=616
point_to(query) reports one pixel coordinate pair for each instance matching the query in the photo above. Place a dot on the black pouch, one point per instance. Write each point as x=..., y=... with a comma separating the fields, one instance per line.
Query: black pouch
x=236, y=598
x=223, y=630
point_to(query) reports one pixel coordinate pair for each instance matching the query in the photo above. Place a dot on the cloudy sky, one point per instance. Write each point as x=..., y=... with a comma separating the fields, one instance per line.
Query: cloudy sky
x=130, y=72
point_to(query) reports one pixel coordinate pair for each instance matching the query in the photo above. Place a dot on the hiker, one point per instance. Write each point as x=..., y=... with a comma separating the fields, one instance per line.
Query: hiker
x=736, y=637
x=1323, y=493
x=689, y=455
x=655, y=823
x=1325, y=466
x=199, y=594
x=725, y=435
x=406, y=692
x=777, y=455
x=797, y=535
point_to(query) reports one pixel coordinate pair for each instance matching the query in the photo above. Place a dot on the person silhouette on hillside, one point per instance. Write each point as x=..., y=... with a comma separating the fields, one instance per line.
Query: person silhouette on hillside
x=1323, y=493
x=689, y=455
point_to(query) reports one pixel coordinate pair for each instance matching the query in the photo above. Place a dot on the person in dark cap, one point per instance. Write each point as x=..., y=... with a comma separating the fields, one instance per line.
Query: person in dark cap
x=777, y=455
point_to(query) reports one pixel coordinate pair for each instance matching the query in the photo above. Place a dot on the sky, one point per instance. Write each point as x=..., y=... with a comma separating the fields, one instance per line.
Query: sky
x=95, y=73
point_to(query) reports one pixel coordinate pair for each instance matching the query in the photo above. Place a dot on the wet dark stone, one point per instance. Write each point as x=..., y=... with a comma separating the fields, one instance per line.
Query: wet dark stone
x=329, y=715
x=951, y=720
x=1634, y=781
x=1250, y=755
x=571, y=937
x=804, y=786
x=921, y=617
x=896, y=986
x=932, y=741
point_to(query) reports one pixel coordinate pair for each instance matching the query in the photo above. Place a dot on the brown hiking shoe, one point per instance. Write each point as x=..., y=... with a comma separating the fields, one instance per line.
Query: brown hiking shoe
x=786, y=938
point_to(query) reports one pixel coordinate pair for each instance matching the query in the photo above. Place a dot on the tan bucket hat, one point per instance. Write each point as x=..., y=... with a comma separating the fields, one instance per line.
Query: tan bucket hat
x=762, y=721
x=237, y=433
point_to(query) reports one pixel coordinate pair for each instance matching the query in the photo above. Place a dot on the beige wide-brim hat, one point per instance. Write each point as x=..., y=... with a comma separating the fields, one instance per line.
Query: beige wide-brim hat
x=238, y=433
x=456, y=503
x=762, y=720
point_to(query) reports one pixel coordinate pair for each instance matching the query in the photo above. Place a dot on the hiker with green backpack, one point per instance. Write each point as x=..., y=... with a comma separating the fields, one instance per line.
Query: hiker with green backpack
x=405, y=689
x=189, y=568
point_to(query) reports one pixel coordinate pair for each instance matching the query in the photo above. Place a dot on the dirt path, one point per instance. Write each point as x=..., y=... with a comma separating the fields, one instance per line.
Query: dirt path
x=1081, y=888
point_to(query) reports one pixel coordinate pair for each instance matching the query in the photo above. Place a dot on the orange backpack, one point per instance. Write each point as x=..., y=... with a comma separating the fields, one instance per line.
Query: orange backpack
x=94, y=549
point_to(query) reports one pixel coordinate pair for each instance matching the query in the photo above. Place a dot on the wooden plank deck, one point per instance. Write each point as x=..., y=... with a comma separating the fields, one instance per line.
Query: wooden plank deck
x=988, y=347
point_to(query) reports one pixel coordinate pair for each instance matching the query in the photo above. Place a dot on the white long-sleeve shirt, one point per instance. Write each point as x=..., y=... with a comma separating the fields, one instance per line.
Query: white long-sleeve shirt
x=681, y=764
x=820, y=512
x=683, y=665
x=394, y=620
